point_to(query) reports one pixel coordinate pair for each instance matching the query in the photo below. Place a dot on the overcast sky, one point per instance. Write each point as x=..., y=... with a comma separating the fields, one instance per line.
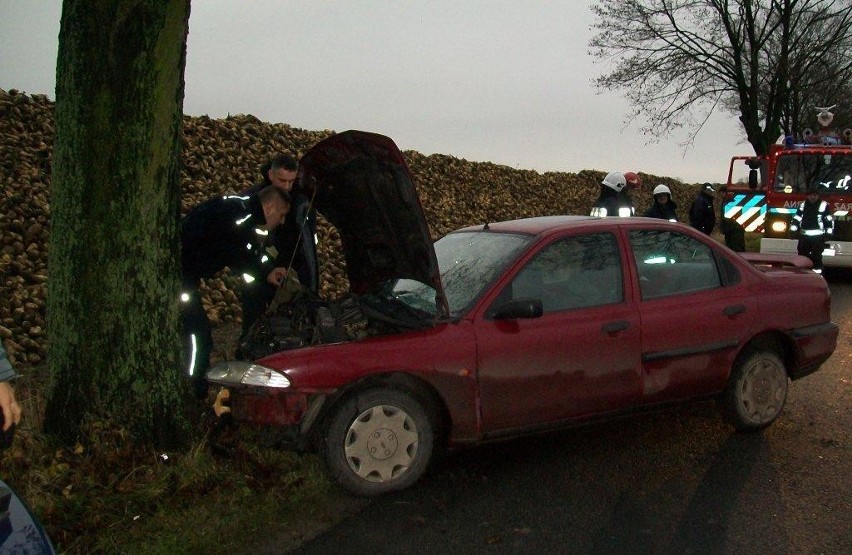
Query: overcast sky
x=487, y=80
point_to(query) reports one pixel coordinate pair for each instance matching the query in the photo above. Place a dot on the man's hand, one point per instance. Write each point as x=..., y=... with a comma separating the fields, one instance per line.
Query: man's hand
x=11, y=409
x=276, y=276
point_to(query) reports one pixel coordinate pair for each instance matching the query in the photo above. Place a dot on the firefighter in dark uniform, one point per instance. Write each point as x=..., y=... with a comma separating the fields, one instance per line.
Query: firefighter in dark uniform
x=611, y=201
x=293, y=239
x=634, y=182
x=664, y=208
x=814, y=224
x=227, y=231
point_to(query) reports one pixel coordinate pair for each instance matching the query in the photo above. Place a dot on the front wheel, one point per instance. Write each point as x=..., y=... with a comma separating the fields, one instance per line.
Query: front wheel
x=378, y=441
x=757, y=390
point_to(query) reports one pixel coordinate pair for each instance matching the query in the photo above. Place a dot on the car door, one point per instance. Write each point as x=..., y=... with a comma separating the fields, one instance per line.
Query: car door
x=580, y=357
x=694, y=313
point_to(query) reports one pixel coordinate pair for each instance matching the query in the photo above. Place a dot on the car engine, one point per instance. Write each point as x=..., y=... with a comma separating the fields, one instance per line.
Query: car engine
x=309, y=320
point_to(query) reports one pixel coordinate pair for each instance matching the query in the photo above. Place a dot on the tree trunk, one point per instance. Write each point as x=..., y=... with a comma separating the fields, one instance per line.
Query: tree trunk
x=114, y=344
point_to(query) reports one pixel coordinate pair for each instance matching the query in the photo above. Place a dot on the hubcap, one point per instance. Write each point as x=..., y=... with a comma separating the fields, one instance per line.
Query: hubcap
x=381, y=443
x=764, y=388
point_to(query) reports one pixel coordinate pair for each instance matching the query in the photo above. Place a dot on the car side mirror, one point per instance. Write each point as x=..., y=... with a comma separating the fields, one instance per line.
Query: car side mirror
x=518, y=308
x=752, y=178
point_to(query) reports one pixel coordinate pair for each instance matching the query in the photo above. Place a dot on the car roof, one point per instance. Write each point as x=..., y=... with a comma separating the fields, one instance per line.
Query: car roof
x=550, y=224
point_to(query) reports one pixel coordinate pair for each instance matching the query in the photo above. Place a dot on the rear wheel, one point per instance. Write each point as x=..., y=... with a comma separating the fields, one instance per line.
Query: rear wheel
x=378, y=441
x=757, y=390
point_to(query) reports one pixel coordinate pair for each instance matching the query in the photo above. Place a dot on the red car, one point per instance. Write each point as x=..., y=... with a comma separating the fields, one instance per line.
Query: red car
x=511, y=328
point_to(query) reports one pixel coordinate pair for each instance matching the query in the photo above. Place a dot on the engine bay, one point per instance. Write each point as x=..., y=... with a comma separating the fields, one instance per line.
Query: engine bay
x=308, y=320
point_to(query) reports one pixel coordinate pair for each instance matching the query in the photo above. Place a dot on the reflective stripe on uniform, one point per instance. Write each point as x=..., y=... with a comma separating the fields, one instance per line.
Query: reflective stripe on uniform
x=193, y=353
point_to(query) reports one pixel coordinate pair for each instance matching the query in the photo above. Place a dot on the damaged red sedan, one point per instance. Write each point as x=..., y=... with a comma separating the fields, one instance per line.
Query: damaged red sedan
x=510, y=328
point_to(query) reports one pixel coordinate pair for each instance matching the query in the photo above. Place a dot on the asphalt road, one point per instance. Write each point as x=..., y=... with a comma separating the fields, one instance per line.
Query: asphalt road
x=675, y=482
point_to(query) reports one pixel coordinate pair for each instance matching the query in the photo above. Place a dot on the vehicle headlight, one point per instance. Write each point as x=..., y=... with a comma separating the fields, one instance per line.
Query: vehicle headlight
x=235, y=372
x=779, y=226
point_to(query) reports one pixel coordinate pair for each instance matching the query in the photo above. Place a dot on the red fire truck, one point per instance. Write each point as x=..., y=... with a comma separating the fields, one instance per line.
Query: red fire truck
x=763, y=192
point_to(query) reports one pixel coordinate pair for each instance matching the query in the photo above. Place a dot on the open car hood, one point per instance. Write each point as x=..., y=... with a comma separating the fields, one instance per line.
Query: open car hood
x=361, y=184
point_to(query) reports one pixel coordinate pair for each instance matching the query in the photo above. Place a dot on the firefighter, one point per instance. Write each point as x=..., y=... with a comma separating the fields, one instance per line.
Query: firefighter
x=226, y=231
x=293, y=239
x=702, y=214
x=813, y=223
x=733, y=231
x=610, y=201
x=664, y=207
x=633, y=183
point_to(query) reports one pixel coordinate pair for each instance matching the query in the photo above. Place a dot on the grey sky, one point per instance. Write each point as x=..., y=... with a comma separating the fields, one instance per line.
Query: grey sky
x=486, y=80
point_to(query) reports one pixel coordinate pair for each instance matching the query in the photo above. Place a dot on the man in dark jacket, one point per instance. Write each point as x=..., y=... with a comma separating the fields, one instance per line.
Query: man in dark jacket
x=293, y=240
x=813, y=223
x=702, y=214
x=228, y=231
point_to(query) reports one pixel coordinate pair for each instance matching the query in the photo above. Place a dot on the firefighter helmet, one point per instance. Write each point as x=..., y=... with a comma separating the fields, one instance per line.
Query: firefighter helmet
x=615, y=181
x=662, y=190
x=633, y=180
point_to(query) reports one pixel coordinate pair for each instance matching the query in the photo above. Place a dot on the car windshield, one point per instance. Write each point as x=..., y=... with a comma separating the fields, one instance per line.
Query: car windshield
x=831, y=173
x=470, y=261
x=419, y=297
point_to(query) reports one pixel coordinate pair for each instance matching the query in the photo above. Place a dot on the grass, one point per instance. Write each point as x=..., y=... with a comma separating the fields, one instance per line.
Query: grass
x=752, y=241
x=108, y=495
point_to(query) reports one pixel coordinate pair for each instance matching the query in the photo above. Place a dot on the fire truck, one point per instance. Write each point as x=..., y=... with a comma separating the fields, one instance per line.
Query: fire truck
x=764, y=192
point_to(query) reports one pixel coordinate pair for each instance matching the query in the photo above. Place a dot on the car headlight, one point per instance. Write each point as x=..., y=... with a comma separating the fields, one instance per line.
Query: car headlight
x=235, y=372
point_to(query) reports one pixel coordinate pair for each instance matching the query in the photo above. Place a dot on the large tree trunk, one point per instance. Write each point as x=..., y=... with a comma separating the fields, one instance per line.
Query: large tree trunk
x=114, y=346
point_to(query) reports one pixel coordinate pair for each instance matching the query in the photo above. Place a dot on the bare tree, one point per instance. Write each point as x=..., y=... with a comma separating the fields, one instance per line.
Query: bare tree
x=114, y=349
x=679, y=60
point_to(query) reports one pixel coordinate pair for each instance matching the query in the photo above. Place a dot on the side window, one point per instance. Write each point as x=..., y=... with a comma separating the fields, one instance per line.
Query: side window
x=728, y=270
x=574, y=272
x=672, y=263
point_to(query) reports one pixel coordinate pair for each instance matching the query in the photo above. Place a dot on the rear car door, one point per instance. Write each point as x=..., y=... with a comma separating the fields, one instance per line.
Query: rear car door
x=695, y=313
x=581, y=357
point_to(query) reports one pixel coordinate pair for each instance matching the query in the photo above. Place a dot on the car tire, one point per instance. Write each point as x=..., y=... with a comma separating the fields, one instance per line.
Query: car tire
x=756, y=391
x=378, y=441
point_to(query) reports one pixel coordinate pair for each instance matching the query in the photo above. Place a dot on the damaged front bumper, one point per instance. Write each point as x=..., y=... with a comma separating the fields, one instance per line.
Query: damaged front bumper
x=253, y=394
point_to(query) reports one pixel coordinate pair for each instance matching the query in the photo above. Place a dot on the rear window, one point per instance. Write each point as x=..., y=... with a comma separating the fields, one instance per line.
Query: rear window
x=672, y=263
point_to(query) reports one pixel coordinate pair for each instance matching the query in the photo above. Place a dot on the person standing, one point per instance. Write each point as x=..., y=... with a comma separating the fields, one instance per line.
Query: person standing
x=279, y=171
x=664, y=207
x=9, y=406
x=626, y=199
x=293, y=240
x=813, y=223
x=610, y=201
x=226, y=231
x=702, y=214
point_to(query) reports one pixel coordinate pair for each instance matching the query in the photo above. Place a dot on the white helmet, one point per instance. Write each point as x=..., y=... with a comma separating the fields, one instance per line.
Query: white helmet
x=661, y=189
x=615, y=181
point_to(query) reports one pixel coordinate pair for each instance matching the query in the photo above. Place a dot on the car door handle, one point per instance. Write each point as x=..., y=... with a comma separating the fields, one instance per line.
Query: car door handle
x=733, y=310
x=614, y=327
